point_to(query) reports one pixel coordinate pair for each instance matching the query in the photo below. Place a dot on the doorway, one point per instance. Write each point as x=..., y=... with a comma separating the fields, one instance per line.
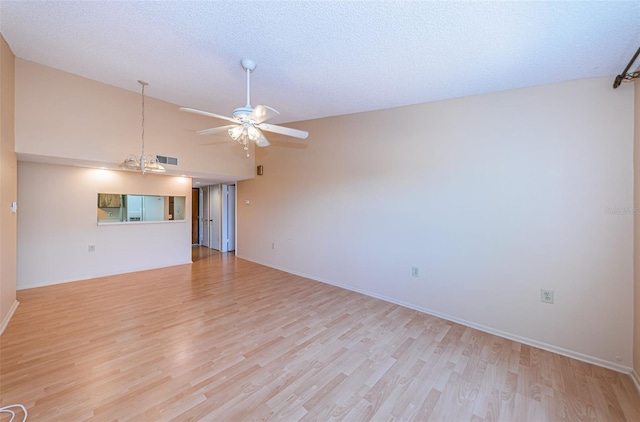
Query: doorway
x=228, y=218
x=204, y=216
x=211, y=217
x=195, y=217
x=214, y=217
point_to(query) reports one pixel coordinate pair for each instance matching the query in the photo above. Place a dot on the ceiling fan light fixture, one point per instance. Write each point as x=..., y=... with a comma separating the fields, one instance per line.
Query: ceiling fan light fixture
x=253, y=133
x=236, y=132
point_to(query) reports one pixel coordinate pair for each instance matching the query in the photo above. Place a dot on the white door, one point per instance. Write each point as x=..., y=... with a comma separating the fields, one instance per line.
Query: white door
x=204, y=240
x=214, y=217
x=228, y=218
x=231, y=218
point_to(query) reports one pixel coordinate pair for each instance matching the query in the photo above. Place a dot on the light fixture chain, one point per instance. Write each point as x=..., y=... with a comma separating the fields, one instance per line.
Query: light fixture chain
x=142, y=163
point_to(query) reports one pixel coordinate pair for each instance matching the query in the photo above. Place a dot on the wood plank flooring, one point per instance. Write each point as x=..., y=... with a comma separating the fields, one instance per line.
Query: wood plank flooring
x=225, y=339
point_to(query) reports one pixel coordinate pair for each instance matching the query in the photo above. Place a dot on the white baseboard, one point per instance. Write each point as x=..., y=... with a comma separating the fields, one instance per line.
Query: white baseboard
x=7, y=318
x=524, y=340
x=636, y=379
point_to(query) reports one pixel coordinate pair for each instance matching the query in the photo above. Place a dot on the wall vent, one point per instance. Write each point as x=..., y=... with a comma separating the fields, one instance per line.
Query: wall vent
x=164, y=159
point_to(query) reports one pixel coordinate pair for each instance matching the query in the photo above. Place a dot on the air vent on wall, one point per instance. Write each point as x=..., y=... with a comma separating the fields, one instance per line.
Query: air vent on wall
x=164, y=159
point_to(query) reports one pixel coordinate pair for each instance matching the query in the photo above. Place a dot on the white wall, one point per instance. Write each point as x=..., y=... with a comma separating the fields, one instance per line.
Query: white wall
x=8, y=186
x=493, y=197
x=57, y=222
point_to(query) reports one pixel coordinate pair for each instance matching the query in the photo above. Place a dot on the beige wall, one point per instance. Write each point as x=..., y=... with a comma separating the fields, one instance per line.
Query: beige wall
x=8, y=186
x=636, y=290
x=58, y=222
x=62, y=117
x=493, y=197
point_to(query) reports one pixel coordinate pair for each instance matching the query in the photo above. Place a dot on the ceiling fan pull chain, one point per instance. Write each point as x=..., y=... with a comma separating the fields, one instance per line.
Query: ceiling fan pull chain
x=244, y=142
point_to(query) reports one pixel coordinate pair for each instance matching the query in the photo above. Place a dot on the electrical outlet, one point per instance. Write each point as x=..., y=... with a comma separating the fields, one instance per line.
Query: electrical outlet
x=546, y=296
x=415, y=271
x=92, y=248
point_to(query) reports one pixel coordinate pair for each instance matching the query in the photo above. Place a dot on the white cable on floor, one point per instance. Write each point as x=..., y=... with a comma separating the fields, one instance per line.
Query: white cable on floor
x=7, y=409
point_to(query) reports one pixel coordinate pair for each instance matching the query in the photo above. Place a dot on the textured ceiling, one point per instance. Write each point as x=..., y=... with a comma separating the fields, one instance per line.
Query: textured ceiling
x=324, y=58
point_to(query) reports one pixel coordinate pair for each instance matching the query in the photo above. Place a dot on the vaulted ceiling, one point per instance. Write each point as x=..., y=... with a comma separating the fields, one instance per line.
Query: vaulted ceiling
x=324, y=58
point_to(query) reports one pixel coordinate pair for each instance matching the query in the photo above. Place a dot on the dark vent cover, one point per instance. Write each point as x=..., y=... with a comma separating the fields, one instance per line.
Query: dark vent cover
x=163, y=159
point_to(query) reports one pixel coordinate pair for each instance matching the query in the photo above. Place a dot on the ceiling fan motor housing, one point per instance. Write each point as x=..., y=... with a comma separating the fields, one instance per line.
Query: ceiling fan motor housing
x=240, y=112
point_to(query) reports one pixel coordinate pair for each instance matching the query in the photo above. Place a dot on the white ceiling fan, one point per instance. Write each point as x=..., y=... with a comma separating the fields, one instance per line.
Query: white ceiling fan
x=248, y=122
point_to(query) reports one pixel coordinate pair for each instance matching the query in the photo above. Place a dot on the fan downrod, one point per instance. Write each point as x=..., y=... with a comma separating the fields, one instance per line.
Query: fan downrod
x=242, y=112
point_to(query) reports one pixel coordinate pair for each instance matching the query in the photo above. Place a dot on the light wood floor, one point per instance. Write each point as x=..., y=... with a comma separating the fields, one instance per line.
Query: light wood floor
x=228, y=340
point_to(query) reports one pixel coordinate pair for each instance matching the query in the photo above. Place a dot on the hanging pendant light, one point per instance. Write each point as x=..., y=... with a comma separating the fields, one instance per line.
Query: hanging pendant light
x=143, y=163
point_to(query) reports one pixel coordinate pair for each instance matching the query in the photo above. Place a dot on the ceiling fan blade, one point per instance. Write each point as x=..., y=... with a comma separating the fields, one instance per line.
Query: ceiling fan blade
x=206, y=113
x=215, y=130
x=262, y=141
x=284, y=130
x=263, y=113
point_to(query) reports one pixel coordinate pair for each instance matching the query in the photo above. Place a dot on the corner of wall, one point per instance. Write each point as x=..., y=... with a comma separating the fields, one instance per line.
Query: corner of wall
x=8, y=184
x=635, y=379
x=7, y=317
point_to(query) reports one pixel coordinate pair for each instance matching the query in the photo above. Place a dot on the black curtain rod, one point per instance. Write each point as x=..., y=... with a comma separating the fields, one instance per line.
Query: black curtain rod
x=621, y=76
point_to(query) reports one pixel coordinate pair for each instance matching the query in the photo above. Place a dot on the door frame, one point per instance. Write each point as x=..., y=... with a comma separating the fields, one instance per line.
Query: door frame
x=204, y=217
x=195, y=216
x=227, y=226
